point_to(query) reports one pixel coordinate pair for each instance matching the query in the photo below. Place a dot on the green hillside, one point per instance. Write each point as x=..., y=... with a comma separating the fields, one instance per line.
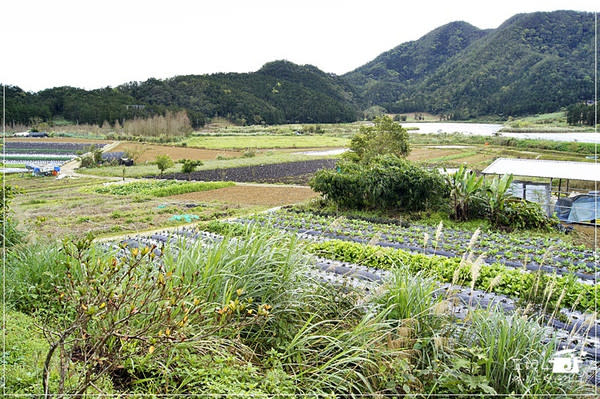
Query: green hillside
x=532, y=63
x=280, y=92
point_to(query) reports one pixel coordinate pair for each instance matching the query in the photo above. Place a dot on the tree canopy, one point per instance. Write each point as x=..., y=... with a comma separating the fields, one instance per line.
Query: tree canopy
x=384, y=137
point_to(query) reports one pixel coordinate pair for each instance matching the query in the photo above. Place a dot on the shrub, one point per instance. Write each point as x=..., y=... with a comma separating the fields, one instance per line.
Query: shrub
x=164, y=162
x=188, y=165
x=249, y=153
x=521, y=214
x=386, y=182
x=345, y=187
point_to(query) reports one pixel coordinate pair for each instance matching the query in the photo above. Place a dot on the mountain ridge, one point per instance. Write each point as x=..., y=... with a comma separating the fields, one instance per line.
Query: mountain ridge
x=532, y=63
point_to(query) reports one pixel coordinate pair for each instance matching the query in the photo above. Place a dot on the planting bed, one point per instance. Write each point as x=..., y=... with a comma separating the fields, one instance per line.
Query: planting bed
x=162, y=188
x=280, y=172
x=572, y=332
x=40, y=147
x=42, y=153
x=550, y=255
x=252, y=195
x=149, y=152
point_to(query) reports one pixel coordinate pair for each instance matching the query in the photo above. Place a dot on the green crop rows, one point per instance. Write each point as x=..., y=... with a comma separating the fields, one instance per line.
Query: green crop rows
x=162, y=188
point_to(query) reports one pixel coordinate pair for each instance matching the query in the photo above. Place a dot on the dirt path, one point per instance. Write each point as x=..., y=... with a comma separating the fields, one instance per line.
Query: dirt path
x=68, y=169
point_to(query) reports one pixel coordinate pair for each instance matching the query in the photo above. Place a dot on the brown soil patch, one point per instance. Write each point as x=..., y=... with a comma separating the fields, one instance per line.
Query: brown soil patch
x=252, y=195
x=149, y=152
x=585, y=235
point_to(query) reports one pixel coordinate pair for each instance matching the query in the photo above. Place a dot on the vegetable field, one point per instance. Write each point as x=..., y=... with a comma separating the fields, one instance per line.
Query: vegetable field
x=272, y=173
x=550, y=255
x=41, y=152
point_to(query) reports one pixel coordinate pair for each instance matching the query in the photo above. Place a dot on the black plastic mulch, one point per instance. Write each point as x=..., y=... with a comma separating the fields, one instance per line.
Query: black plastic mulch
x=279, y=172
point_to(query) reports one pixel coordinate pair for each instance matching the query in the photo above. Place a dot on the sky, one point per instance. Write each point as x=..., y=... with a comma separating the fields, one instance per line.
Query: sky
x=92, y=44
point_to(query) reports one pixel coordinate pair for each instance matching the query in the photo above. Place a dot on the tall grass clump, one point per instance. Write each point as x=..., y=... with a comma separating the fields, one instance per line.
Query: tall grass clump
x=31, y=275
x=516, y=355
x=255, y=273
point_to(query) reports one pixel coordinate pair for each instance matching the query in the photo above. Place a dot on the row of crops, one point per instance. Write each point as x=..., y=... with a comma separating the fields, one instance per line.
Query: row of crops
x=551, y=255
x=43, y=153
x=364, y=268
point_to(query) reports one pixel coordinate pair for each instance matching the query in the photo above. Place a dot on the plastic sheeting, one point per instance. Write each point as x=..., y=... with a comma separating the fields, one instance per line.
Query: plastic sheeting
x=588, y=171
x=584, y=208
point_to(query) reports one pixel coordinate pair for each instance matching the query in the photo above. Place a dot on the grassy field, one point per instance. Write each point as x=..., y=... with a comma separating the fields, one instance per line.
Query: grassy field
x=266, y=141
x=551, y=122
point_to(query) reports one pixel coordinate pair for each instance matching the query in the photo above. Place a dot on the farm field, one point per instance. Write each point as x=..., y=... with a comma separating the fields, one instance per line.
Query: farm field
x=51, y=208
x=150, y=169
x=79, y=140
x=298, y=172
x=527, y=252
x=268, y=141
x=149, y=152
x=320, y=303
x=267, y=195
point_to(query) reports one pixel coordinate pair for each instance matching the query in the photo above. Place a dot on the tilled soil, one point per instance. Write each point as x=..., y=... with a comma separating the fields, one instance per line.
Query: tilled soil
x=252, y=195
x=149, y=152
x=274, y=173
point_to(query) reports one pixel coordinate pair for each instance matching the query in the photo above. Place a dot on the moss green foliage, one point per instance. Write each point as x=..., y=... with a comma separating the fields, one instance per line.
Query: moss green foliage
x=385, y=137
x=523, y=215
x=513, y=282
x=160, y=188
x=243, y=317
x=386, y=182
x=31, y=274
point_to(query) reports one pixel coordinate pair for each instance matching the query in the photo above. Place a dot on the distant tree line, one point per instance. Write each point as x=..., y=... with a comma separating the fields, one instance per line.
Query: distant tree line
x=581, y=114
x=281, y=92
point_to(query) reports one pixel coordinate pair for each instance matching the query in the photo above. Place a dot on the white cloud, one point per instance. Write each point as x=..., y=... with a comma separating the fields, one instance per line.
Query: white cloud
x=94, y=43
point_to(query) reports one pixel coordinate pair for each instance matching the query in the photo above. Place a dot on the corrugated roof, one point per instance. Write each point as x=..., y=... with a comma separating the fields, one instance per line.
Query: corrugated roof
x=542, y=168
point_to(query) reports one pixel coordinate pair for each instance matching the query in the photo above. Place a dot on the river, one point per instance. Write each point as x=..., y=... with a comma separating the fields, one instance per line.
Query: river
x=489, y=129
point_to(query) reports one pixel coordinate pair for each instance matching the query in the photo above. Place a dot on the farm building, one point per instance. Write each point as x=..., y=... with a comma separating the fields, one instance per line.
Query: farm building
x=571, y=205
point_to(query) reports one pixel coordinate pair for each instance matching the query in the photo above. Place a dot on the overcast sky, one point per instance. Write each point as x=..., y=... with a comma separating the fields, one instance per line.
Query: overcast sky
x=92, y=43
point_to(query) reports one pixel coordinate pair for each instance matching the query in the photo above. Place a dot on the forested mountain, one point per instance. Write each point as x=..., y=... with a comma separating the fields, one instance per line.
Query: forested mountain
x=394, y=72
x=532, y=63
x=279, y=92
x=537, y=62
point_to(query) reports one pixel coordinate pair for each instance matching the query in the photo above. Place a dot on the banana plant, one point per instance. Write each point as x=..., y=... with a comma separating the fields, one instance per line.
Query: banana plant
x=497, y=194
x=465, y=187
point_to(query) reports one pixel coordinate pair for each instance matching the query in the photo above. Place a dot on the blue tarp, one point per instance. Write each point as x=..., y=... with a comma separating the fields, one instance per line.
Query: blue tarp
x=583, y=209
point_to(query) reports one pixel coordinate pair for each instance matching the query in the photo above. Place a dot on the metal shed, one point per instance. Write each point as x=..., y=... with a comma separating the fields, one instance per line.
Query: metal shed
x=577, y=209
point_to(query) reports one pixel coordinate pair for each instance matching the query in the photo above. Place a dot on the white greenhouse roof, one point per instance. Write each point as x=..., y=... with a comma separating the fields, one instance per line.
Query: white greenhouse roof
x=589, y=171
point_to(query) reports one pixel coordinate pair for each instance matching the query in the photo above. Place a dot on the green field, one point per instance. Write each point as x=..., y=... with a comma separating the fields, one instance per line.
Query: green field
x=267, y=141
